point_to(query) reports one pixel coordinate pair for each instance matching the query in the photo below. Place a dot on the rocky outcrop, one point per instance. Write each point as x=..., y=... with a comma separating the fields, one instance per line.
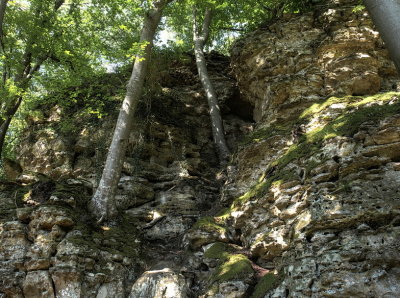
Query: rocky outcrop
x=162, y=283
x=333, y=50
x=310, y=198
x=325, y=211
x=313, y=191
x=50, y=249
x=51, y=246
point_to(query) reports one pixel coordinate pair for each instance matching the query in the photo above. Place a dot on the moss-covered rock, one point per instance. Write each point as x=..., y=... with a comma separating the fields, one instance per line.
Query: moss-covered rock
x=207, y=230
x=265, y=284
x=234, y=266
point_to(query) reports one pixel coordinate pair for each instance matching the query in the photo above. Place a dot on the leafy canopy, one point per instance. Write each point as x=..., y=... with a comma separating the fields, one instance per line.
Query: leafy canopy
x=230, y=18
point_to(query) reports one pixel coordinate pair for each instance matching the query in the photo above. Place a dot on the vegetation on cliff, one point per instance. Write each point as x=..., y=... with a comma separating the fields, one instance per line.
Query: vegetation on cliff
x=310, y=193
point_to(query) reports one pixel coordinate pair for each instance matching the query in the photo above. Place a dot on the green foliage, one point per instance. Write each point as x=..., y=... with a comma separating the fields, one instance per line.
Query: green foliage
x=230, y=18
x=46, y=48
x=83, y=102
x=358, y=8
x=163, y=58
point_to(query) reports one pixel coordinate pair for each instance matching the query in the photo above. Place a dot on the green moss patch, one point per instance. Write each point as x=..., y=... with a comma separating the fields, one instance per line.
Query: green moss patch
x=219, y=250
x=265, y=133
x=265, y=284
x=255, y=191
x=345, y=125
x=231, y=265
x=209, y=224
x=276, y=177
x=356, y=111
x=235, y=266
x=369, y=109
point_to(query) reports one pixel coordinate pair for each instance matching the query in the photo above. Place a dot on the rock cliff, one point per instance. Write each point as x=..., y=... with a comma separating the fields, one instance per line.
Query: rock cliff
x=308, y=206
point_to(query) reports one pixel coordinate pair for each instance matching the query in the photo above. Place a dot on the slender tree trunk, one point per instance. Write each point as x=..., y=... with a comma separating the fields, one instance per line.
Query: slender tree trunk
x=3, y=5
x=5, y=123
x=199, y=39
x=103, y=202
x=386, y=17
x=3, y=131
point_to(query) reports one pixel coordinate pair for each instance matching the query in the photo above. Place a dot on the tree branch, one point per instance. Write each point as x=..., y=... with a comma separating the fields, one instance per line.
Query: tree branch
x=205, y=31
x=233, y=29
x=37, y=66
x=203, y=35
x=58, y=4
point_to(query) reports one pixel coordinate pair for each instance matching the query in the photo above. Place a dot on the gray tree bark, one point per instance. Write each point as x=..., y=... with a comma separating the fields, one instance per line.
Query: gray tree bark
x=103, y=204
x=386, y=16
x=3, y=5
x=5, y=123
x=199, y=39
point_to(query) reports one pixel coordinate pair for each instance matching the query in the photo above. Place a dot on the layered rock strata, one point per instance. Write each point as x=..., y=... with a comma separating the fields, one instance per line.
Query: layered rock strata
x=311, y=195
x=49, y=244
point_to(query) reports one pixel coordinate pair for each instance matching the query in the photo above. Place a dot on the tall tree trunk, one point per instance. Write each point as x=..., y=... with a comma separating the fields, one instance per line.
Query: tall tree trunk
x=5, y=123
x=386, y=17
x=3, y=132
x=199, y=39
x=103, y=202
x=3, y=5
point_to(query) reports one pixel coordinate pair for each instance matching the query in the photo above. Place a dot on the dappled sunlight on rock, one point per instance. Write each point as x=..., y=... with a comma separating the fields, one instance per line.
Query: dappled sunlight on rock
x=308, y=205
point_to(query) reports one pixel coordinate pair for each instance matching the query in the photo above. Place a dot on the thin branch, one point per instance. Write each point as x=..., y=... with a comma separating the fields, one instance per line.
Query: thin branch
x=205, y=31
x=37, y=66
x=203, y=35
x=233, y=29
x=58, y=4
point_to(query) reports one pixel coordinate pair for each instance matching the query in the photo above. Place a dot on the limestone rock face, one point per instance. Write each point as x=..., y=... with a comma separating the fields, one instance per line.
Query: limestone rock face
x=48, y=154
x=11, y=169
x=38, y=284
x=46, y=252
x=333, y=51
x=168, y=180
x=162, y=283
x=313, y=191
x=308, y=206
x=324, y=209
